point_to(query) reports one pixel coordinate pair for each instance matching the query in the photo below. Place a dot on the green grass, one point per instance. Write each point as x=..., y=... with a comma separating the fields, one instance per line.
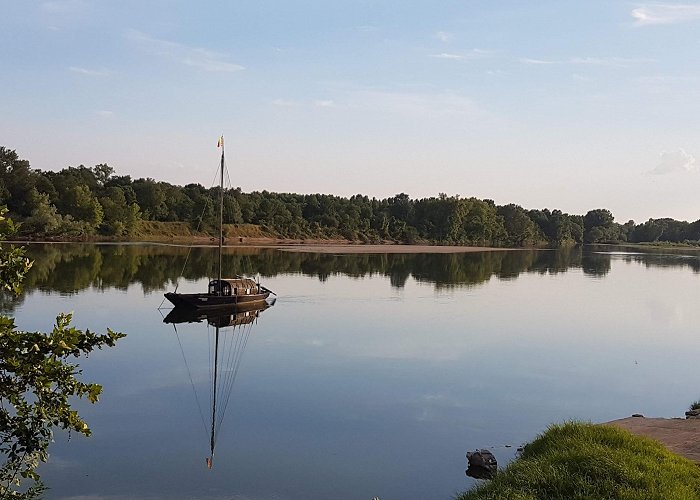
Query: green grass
x=585, y=461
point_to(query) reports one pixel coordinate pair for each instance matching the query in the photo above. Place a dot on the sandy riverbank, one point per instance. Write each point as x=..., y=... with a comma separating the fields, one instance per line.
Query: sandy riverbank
x=384, y=249
x=678, y=435
x=318, y=246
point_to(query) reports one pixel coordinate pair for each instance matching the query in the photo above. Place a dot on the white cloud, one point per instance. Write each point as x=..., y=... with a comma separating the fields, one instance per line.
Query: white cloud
x=58, y=14
x=472, y=54
x=89, y=71
x=652, y=14
x=368, y=28
x=414, y=103
x=444, y=36
x=285, y=103
x=64, y=6
x=674, y=162
x=618, y=62
x=195, y=57
x=528, y=60
x=325, y=103
x=445, y=55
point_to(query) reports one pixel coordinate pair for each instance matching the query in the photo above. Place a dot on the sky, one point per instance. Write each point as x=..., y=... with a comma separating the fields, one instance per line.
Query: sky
x=562, y=104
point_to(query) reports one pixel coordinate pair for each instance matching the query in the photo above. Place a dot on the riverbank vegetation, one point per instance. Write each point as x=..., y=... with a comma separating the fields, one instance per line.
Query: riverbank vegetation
x=579, y=460
x=81, y=203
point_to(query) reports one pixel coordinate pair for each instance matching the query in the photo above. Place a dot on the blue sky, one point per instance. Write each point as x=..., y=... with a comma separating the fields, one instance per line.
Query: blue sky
x=562, y=104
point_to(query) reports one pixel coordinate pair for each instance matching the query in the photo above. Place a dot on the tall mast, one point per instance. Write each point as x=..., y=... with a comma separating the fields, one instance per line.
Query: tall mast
x=221, y=213
x=213, y=408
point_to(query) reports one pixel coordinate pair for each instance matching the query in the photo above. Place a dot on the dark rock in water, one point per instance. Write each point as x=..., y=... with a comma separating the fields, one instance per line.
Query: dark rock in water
x=482, y=459
x=480, y=472
x=639, y=415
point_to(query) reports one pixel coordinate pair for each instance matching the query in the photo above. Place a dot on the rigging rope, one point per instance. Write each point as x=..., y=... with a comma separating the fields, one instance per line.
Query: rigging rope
x=189, y=251
x=189, y=374
x=233, y=345
x=233, y=373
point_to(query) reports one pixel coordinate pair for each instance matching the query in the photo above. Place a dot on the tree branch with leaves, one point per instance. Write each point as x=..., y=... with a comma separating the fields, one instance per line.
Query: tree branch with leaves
x=38, y=379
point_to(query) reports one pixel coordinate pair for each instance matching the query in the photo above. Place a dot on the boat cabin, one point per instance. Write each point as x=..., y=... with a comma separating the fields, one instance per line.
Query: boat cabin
x=232, y=287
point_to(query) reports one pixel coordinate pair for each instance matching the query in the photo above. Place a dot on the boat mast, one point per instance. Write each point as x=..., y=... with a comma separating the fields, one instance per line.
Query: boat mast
x=221, y=214
x=213, y=407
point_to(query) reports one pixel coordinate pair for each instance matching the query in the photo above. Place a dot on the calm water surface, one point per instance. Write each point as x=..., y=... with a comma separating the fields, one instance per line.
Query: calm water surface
x=372, y=375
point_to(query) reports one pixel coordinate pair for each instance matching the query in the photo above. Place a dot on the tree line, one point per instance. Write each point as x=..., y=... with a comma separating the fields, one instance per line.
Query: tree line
x=81, y=202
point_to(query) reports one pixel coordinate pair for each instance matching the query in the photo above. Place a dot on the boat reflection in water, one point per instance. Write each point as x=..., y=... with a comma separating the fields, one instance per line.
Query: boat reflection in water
x=231, y=330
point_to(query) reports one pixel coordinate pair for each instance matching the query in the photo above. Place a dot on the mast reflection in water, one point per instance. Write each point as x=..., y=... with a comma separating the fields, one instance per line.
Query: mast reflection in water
x=227, y=341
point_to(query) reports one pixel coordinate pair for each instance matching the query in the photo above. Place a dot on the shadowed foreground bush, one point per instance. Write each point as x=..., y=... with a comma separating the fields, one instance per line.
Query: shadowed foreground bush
x=579, y=460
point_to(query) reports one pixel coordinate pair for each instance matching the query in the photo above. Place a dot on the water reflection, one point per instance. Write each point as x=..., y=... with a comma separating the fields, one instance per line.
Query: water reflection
x=227, y=343
x=70, y=268
x=356, y=388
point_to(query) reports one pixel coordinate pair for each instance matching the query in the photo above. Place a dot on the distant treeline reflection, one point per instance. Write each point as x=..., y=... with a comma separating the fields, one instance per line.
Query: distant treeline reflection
x=69, y=268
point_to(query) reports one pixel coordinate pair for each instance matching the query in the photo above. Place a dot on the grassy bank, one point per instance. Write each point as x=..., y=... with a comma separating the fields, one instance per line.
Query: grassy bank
x=579, y=460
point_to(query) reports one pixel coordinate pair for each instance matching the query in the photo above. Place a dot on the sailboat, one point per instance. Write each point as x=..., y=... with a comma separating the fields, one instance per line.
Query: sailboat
x=226, y=353
x=238, y=292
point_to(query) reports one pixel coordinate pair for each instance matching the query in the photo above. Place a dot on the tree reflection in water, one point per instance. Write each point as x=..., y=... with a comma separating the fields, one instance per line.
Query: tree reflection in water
x=69, y=268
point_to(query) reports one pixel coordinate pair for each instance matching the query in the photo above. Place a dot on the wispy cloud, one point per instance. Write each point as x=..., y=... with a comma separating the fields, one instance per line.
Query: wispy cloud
x=90, y=71
x=617, y=62
x=368, y=28
x=444, y=36
x=57, y=14
x=413, y=103
x=286, y=103
x=445, y=55
x=620, y=62
x=289, y=103
x=652, y=14
x=195, y=57
x=674, y=162
x=470, y=55
x=529, y=60
x=64, y=6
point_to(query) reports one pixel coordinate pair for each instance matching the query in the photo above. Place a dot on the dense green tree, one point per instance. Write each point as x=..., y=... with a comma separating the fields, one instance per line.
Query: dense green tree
x=150, y=198
x=77, y=201
x=120, y=216
x=17, y=180
x=520, y=229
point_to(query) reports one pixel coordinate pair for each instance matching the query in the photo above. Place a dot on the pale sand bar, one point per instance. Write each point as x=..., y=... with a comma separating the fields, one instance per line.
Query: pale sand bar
x=384, y=249
x=678, y=435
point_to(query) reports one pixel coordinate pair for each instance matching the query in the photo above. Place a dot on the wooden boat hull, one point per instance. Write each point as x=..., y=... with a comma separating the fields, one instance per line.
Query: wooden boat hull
x=205, y=301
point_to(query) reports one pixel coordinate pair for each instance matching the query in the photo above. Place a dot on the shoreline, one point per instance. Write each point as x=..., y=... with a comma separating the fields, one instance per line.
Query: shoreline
x=321, y=247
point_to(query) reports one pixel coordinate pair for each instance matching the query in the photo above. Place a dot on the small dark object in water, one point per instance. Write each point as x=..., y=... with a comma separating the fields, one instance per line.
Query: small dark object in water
x=638, y=415
x=479, y=472
x=481, y=461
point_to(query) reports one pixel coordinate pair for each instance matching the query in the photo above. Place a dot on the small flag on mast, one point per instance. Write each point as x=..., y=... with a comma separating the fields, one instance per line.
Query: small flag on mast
x=220, y=142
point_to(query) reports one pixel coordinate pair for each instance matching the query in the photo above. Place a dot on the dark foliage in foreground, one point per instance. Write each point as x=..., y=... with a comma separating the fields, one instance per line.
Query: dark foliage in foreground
x=38, y=380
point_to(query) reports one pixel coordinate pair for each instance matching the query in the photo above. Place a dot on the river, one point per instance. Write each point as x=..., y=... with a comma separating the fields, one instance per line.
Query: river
x=371, y=375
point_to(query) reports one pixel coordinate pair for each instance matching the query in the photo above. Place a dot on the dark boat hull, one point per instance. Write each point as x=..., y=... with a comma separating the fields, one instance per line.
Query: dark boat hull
x=205, y=301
